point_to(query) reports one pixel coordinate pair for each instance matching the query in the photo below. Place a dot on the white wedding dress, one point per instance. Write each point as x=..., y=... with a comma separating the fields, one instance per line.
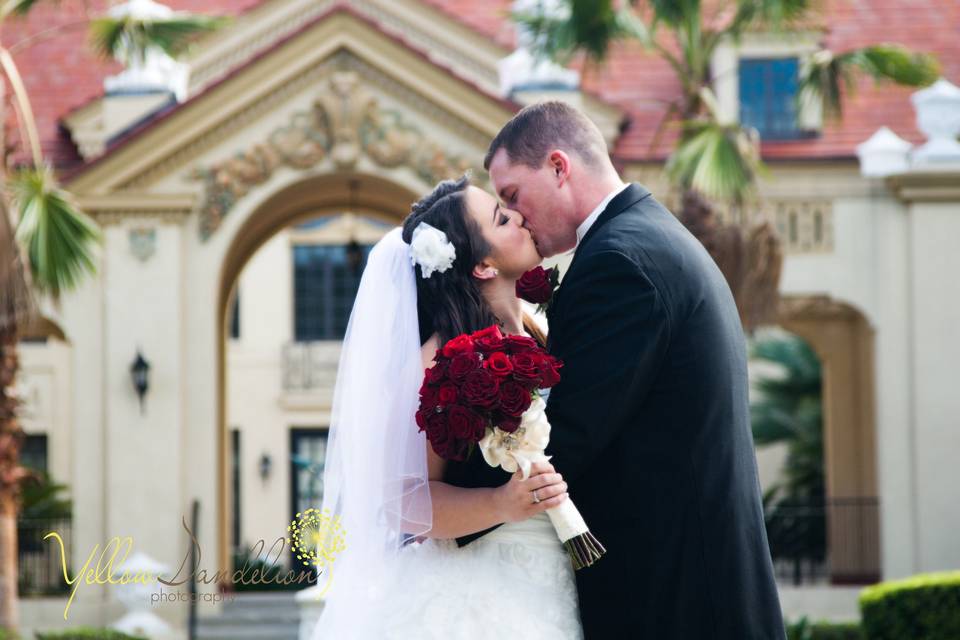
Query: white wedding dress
x=515, y=582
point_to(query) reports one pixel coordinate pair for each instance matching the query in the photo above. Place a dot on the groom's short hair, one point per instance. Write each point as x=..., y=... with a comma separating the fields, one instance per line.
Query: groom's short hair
x=539, y=128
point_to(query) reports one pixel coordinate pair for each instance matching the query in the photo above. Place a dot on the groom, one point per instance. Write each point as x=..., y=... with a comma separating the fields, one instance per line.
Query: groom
x=650, y=422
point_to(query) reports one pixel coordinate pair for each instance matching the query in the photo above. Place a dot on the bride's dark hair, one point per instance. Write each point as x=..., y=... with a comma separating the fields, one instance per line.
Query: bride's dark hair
x=450, y=303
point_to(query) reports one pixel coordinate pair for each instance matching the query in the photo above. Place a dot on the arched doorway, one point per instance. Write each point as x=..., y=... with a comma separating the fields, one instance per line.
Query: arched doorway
x=336, y=193
x=843, y=340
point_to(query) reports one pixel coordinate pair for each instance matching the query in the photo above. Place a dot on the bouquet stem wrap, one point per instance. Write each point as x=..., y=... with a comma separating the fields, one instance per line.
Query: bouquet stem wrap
x=519, y=450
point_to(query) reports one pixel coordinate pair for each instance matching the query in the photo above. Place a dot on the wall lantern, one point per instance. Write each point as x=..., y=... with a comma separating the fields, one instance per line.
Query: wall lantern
x=265, y=464
x=140, y=371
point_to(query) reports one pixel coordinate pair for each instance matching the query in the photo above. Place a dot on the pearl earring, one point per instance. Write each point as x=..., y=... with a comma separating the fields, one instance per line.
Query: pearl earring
x=495, y=272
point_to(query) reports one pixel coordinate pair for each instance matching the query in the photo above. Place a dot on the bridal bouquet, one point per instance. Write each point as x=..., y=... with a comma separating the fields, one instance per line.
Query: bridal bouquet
x=483, y=389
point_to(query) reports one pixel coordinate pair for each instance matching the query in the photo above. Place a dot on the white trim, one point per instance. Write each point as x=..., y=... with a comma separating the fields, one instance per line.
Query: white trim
x=725, y=67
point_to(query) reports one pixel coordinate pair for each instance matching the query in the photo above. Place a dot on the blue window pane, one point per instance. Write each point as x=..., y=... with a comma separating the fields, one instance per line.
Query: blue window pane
x=768, y=97
x=325, y=285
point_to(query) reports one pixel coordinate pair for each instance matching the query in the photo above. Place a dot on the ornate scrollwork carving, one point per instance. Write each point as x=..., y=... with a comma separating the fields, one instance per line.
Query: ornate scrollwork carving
x=345, y=122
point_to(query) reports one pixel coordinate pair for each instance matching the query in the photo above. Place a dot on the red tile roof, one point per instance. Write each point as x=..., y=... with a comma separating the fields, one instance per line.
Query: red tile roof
x=643, y=84
x=61, y=75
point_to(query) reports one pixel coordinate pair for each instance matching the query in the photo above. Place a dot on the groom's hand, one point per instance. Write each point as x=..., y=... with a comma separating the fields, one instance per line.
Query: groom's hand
x=515, y=499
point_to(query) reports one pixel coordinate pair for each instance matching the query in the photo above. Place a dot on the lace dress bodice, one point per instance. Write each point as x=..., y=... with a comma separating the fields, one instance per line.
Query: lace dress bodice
x=516, y=581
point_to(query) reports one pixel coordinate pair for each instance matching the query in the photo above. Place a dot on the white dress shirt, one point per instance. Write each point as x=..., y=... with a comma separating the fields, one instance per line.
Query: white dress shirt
x=586, y=224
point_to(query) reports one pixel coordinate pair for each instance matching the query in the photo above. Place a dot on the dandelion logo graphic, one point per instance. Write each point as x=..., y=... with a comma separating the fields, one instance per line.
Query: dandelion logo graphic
x=316, y=538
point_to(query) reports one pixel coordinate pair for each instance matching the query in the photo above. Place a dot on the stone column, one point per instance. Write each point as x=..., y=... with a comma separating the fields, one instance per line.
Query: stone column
x=143, y=449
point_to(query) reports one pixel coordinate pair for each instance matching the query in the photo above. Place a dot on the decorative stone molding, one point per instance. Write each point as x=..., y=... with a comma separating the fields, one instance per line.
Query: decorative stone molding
x=938, y=116
x=884, y=154
x=156, y=208
x=143, y=242
x=803, y=225
x=345, y=122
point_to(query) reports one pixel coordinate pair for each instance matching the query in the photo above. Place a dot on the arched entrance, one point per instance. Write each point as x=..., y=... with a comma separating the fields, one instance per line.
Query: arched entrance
x=844, y=341
x=334, y=193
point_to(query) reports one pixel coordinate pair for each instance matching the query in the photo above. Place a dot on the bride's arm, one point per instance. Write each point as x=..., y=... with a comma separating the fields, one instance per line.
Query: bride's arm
x=458, y=511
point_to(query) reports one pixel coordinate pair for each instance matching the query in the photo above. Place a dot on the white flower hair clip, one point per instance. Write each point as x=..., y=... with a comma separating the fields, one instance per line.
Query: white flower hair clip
x=430, y=248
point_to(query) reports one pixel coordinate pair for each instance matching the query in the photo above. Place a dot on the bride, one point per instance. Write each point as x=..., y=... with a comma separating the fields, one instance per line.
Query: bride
x=401, y=574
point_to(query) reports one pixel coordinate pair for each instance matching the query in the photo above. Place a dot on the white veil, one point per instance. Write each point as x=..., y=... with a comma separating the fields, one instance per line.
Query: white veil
x=375, y=476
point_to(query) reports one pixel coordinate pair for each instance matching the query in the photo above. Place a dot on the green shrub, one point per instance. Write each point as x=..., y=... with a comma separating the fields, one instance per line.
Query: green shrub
x=806, y=630
x=6, y=634
x=924, y=607
x=86, y=633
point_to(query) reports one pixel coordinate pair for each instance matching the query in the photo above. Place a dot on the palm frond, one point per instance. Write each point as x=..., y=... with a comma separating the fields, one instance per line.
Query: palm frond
x=719, y=161
x=770, y=14
x=895, y=63
x=795, y=356
x=129, y=38
x=16, y=7
x=58, y=237
x=823, y=77
x=581, y=26
x=826, y=75
x=674, y=12
x=788, y=409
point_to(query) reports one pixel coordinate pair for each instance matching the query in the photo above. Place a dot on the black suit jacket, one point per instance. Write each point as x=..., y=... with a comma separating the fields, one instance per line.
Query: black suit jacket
x=651, y=431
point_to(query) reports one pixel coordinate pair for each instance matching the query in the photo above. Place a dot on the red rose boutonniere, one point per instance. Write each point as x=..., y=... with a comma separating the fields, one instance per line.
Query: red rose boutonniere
x=537, y=286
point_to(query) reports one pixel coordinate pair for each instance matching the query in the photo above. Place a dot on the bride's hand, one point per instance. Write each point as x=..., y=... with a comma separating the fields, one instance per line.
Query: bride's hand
x=515, y=498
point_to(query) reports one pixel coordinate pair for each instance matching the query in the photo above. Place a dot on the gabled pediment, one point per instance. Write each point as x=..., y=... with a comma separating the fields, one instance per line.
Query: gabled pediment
x=301, y=68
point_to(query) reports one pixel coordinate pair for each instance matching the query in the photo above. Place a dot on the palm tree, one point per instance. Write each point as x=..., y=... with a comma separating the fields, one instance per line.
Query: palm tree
x=714, y=159
x=47, y=245
x=789, y=410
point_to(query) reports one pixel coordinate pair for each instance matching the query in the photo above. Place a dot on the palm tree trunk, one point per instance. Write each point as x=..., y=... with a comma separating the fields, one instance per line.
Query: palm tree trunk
x=16, y=308
x=749, y=258
x=11, y=437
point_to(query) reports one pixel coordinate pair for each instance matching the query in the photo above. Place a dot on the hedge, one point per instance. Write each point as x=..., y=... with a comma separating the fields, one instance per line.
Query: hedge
x=805, y=630
x=924, y=607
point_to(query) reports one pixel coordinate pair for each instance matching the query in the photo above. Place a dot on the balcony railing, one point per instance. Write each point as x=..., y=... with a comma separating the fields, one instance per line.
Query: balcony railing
x=835, y=541
x=310, y=366
x=40, y=569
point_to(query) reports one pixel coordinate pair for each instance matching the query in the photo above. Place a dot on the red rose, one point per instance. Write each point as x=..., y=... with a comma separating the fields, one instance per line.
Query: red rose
x=498, y=364
x=535, y=286
x=429, y=396
x=489, y=344
x=548, y=371
x=436, y=373
x=493, y=331
x=437, y=428
x=465, y=424
x=521, y=344
x=514, y=399
x=480, y=388
x=460, y=344
x=421, y=417
x=507, y=423
x=526, y=369
x=447, y=394
x=462, y=364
